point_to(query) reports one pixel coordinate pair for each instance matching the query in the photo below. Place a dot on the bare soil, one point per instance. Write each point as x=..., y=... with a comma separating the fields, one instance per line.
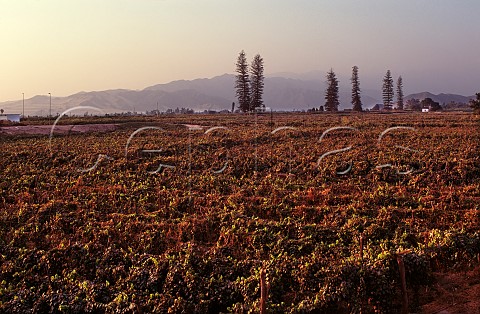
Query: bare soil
x=59, y=129
x=457, y=293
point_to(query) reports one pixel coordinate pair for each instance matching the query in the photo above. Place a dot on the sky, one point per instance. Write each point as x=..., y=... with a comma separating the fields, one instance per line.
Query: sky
x=64, y=47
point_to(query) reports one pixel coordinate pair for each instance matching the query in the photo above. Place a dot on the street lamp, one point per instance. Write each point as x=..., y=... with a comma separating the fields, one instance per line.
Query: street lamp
x=50, y=105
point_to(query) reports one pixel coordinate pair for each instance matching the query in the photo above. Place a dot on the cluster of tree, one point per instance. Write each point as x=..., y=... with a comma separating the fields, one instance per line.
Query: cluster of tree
x=389, y=94
x=431, y=105
x=180, y=110
x=321, y=109
x=453, y=105
x=413, y=104
x=427, y=103
x=249, y=83
x=331, y=94
x=475, y=104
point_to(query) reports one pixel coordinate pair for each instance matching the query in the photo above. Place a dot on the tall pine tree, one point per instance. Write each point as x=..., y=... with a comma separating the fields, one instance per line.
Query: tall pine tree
x=256, y=84
x=356, y=101
x=387, y=91
x=400, y=93
x=242, y=83
x=331, y=95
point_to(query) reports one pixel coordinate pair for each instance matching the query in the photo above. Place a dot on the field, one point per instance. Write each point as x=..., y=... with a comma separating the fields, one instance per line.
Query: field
x=181, y=213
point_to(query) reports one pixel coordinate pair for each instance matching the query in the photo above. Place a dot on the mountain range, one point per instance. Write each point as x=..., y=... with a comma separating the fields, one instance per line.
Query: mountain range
x=283, y=91
x=441, y=98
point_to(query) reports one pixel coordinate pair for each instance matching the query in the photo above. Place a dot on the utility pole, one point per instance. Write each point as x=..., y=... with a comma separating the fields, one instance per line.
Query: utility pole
x=23, y=105
x=50, y=115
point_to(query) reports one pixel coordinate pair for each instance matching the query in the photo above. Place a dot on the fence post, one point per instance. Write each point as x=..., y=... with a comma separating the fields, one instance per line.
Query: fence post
x=263, y=291
x=362, y=238
x=401, y=268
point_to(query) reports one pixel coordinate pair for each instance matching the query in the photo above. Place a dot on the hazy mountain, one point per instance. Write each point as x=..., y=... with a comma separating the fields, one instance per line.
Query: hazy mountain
x=288, y=92
x=306, y=76
x=219, y=86
x=281, y=93
x=441, y=98
x=120, y=100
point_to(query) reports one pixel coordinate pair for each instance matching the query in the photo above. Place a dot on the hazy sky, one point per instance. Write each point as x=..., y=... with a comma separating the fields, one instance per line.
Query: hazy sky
x=64, y=47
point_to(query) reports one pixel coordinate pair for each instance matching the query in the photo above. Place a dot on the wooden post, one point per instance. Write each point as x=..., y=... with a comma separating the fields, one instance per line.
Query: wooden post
x=271, y=120
x=362, y=279
x=401, y=268
x=263, y=292
x=361, y=247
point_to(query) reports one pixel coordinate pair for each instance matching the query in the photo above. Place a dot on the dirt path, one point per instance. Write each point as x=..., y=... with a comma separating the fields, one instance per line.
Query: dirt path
x=59, y=129
x=454, y=293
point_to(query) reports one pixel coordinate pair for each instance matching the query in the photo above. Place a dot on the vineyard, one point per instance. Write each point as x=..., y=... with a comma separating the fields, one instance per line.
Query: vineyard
x=181, y=213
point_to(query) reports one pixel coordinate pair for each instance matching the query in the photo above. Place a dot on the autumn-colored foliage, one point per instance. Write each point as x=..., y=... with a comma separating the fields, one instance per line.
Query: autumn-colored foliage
x=129, y=236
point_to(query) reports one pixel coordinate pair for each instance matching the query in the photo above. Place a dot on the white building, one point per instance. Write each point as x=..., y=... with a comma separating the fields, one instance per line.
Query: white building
x=10, y=117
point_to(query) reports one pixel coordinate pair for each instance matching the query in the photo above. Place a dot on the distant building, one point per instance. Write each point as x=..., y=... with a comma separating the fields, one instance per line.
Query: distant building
x=10, y=117
x=425, y=109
